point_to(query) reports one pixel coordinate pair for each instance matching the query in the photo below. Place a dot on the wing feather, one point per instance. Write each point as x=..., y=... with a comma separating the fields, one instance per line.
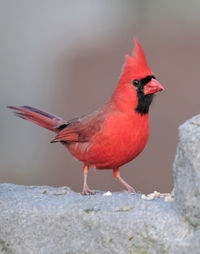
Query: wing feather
x=81, y=129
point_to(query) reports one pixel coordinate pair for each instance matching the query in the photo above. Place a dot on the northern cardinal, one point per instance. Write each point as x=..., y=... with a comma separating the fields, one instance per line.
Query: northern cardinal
x=115, y=133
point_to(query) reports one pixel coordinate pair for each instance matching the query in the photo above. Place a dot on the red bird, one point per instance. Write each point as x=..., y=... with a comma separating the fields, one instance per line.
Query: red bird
x=115, y=133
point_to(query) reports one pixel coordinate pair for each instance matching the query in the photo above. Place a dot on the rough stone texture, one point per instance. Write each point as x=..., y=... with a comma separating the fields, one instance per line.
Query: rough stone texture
x=187, y=171
x=37, y=220
x=47, y=220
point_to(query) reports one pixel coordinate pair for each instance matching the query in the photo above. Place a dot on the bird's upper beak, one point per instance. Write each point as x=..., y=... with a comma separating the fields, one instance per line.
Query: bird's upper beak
x=152, y=86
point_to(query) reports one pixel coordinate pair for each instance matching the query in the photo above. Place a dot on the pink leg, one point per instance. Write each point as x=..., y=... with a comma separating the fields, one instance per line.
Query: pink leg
x=86, y=189
x=117, y=175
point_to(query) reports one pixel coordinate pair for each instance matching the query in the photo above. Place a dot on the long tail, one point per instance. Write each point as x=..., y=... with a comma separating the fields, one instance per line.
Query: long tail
x=39, y=117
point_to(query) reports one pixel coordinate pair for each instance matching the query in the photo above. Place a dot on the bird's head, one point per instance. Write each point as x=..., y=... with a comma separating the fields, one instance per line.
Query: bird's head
x=137, y=84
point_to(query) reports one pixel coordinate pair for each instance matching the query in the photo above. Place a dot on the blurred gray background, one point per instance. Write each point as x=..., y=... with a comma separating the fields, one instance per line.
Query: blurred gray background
x=65, y=57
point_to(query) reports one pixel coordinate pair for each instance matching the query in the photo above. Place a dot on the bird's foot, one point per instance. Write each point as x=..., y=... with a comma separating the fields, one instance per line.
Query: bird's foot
x=131, y=190
x=87, y=190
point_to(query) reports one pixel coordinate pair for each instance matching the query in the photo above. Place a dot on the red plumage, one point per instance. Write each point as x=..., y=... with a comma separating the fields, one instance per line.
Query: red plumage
x=114, y=134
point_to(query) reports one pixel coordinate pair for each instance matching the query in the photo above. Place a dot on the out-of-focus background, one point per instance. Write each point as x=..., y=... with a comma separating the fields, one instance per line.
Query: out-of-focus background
x=65, y=57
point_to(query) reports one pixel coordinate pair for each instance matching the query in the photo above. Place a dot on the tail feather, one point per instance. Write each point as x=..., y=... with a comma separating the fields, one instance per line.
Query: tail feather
x=39, y=117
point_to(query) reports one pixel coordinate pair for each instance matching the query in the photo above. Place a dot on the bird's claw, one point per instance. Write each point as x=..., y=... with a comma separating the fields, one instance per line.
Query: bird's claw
x=131, y=190
x=87, y=191
x=84, y=192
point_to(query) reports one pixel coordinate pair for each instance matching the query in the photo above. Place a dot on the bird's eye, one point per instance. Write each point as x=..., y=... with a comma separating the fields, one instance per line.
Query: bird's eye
x=135, y=82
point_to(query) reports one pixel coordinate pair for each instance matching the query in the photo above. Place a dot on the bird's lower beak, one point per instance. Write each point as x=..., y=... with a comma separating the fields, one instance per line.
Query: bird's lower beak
x=152, y=86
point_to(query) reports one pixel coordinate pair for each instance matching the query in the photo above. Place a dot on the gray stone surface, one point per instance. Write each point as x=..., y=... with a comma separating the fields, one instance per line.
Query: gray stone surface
x=47, y=220
x=187, y=171
x=38, y=220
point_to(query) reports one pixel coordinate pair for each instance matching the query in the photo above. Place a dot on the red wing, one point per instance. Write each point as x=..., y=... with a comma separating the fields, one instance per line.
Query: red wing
x=80, y=129
x=66, y=136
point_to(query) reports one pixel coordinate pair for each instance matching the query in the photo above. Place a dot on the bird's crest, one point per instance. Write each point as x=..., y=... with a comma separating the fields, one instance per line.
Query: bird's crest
x=136, y=66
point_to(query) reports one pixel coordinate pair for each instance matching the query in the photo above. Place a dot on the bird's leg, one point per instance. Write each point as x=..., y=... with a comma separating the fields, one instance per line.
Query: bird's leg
x=86, y=189
x=117, y=175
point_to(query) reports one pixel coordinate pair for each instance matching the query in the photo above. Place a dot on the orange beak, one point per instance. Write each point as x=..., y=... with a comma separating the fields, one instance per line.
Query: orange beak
x=152, y=86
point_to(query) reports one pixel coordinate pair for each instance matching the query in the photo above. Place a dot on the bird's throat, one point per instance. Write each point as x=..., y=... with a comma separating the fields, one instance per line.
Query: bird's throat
x=144, y=102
